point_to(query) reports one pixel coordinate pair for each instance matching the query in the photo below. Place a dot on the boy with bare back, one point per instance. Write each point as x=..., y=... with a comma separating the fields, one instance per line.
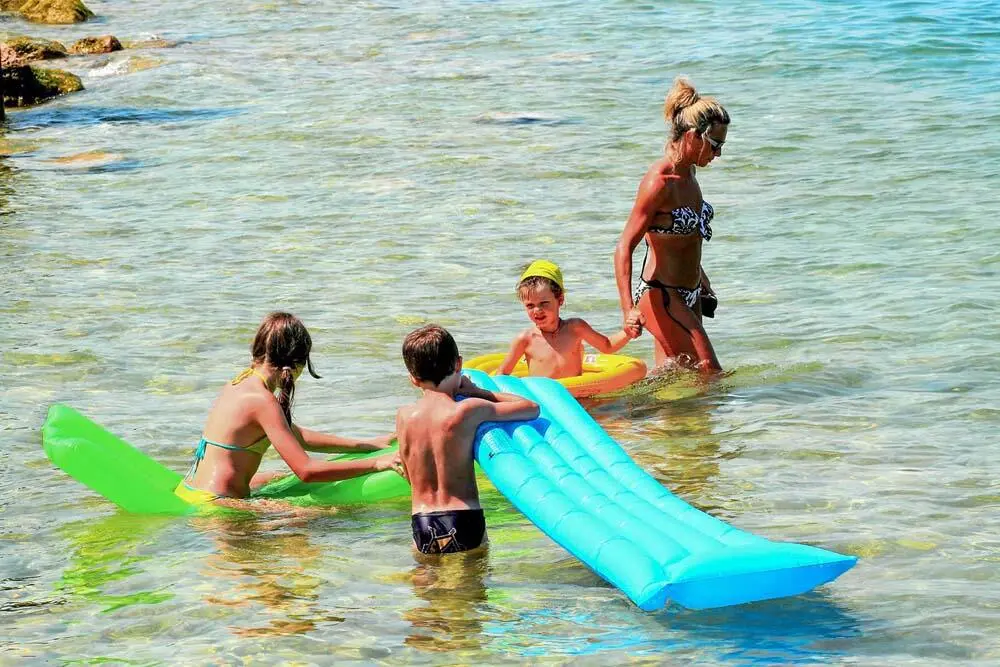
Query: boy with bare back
x=435, y=442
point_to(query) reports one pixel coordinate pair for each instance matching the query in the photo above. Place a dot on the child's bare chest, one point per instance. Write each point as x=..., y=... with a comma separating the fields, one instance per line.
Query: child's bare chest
x=554, y=356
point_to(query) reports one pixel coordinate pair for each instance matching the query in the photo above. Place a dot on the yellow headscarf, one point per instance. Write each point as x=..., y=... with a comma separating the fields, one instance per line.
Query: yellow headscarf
x=543, y=268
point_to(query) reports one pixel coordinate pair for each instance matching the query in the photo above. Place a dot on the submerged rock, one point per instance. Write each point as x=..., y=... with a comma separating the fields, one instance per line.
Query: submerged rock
x=48, y=11
x=24, y=85
x=91, y=45
x=151, y=43
x=34, y=48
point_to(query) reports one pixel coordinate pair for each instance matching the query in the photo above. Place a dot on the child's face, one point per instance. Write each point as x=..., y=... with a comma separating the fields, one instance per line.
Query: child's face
x=542, y=307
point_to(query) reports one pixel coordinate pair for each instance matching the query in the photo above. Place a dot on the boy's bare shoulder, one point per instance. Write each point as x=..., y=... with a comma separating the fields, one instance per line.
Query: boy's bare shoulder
x=469, y=408
x=576, y=324
x=526, y=335
x=406, y=410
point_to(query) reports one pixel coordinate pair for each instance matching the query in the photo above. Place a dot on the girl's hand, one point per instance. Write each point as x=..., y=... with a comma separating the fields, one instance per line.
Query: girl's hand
x=382, y=441
x=390, y=462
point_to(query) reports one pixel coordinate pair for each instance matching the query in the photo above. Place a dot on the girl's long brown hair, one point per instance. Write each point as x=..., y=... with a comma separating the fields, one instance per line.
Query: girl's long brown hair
x=283, y=341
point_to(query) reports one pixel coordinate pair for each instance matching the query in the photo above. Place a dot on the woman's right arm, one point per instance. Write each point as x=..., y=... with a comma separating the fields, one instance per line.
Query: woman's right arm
x=270, y=417
x=647, y=201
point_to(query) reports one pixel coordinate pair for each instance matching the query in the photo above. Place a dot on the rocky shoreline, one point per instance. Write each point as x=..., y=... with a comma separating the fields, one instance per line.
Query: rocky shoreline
x=48, y=11
x=22, y=81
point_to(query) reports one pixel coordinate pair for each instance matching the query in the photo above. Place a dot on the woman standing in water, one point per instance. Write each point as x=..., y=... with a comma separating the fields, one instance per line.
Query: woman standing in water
x=675, y=220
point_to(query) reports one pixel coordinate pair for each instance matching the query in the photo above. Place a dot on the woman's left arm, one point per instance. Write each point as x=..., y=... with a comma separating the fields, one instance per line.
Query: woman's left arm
x=315, y=441
x=706, y=284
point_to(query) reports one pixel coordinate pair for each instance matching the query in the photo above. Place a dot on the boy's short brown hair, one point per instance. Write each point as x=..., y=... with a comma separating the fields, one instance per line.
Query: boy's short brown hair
x=530, y=284
x=430, y=353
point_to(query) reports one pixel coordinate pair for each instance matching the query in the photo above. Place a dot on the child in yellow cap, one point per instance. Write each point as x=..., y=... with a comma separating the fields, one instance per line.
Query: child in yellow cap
x=553, y=347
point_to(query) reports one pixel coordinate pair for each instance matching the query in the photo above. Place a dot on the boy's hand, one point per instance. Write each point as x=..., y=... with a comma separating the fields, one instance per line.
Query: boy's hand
x=467, y=387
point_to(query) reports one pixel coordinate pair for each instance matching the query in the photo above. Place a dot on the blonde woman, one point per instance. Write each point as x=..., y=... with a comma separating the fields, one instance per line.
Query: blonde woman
x=675, y=220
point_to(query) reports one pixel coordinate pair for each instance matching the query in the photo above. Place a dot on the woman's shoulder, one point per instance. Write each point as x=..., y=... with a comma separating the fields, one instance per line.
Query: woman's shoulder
x=666, y=169
x=661, y=177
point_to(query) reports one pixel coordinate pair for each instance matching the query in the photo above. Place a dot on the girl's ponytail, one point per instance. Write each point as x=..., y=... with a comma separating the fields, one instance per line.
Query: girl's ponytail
x=286, y=382
x=283, y=342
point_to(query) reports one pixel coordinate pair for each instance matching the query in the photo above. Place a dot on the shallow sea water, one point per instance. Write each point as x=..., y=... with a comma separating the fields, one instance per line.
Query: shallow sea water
x=372, y=166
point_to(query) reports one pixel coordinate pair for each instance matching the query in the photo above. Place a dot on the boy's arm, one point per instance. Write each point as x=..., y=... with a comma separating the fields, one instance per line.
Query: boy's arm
x=517, y=348
x=507, y=408
x=489, y=406
x=597, y=340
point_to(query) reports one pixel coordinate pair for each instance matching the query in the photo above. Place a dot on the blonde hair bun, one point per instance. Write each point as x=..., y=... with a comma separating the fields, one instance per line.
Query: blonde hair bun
x=681, y=96
x=684, y=109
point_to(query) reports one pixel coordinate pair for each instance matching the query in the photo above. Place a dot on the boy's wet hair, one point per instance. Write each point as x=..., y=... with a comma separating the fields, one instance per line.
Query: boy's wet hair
x=283, y=341
x=531, y=283
x=430, y=354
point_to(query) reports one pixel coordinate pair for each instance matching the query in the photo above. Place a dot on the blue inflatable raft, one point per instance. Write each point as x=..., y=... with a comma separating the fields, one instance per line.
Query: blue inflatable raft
x=580, y=487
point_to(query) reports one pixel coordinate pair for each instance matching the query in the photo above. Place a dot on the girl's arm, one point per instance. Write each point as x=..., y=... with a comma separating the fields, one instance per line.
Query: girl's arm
x=315, y=441
x=517, y=348
x=647, y=200
x=268, y=414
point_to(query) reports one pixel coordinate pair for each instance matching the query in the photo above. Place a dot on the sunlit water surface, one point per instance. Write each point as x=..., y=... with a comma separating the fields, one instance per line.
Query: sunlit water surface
x=372, y=166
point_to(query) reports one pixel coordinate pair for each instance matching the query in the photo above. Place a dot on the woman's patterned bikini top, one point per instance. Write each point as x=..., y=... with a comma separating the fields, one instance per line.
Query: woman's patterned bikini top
x=685, y=221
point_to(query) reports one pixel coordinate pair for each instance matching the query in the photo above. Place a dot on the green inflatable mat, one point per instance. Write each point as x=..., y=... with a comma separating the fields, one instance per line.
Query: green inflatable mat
x=135, y=482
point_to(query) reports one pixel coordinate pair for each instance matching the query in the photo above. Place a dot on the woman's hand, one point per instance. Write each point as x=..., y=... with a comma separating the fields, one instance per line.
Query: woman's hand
x=705, y=285
x=634, y=320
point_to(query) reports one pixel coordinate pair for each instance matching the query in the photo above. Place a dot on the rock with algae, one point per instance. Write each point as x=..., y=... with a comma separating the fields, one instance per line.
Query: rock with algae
x=34, y=48
x=48, y=11
x=91, y=45
x=24, y=85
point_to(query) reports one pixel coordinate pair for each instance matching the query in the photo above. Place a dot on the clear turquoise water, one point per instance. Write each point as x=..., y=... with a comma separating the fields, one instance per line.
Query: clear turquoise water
x=374, y=165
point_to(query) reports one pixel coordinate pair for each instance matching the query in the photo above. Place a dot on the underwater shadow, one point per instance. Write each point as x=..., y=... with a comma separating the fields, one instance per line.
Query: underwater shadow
x=83, y=116
x=517, y=118
x=804, y=629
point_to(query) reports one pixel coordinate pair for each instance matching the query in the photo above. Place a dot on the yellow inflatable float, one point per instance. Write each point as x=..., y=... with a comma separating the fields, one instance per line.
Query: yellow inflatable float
x=602, y=373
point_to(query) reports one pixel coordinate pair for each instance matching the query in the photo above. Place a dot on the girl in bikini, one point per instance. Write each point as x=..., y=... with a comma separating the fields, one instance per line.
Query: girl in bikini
x=670, y=214
x=247, y=418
